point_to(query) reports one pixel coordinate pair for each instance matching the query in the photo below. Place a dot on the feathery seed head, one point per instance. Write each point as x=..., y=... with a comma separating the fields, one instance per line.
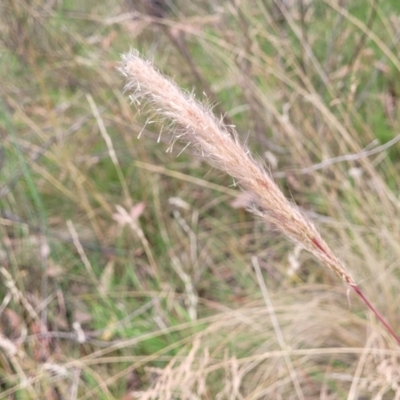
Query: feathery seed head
x=196, y=124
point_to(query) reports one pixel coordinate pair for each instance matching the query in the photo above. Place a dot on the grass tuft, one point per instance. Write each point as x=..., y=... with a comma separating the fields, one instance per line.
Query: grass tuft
x=128, y=273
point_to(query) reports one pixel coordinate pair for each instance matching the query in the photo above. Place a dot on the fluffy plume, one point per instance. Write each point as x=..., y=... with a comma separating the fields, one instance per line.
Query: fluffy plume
x=195, y=124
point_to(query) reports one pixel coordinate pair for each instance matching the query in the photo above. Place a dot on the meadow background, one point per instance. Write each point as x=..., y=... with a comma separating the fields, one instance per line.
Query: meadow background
x=131, y=272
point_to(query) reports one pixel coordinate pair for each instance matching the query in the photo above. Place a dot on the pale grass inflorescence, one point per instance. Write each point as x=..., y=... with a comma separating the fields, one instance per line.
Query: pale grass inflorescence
x=195, y=124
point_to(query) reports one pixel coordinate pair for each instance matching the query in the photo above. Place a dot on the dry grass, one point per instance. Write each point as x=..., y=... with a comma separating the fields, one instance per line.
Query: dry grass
x=129, y=273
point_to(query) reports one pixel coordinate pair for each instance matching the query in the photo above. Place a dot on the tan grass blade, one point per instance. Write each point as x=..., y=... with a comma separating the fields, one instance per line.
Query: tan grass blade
x=219, y=145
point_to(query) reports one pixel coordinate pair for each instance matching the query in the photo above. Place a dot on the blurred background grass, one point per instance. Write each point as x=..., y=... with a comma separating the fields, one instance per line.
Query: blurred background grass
x=126, y=270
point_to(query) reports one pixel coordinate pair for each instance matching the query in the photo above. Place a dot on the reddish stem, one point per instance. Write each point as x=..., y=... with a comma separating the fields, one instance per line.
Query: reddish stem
x=376, y=312
x=318, y=244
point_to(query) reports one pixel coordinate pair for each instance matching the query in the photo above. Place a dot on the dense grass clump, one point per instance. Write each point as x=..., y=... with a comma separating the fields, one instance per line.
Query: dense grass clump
x=130, y=272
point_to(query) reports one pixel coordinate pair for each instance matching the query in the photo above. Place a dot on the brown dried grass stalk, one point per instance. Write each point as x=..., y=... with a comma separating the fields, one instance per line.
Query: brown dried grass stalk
x=196, y=124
